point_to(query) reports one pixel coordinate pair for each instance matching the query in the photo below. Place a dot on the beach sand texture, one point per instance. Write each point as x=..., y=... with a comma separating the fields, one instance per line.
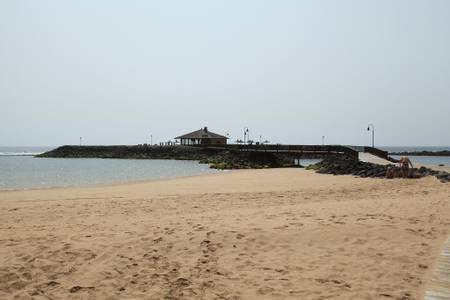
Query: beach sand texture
x=249, y=234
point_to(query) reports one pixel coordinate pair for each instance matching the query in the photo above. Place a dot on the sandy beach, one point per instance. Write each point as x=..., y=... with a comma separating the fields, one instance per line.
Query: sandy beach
x=250, y=234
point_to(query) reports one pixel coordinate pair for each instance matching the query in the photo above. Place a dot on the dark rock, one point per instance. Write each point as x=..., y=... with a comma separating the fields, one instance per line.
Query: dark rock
x=381, y=174
x=442, y=175
x=339, y=165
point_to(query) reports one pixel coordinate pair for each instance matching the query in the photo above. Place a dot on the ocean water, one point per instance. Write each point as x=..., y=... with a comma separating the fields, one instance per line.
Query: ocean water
x=413, y=149
x=423, y=160
x=23, y=151
x=309, y=161
x=428, y=160
x=20, y=170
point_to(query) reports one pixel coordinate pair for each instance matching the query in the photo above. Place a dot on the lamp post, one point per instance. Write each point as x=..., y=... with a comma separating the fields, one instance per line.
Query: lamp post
x=323, y=140
x=373, y=133
x=151, y=139
x=81, y=139
x=245, y=134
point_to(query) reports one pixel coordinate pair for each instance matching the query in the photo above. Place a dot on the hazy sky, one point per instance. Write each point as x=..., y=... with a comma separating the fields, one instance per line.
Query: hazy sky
x=115, y=72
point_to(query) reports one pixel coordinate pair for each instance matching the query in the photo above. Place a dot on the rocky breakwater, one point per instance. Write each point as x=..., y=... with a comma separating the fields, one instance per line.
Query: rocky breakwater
x=216, y=158
x=342, y=165
x=248, y=160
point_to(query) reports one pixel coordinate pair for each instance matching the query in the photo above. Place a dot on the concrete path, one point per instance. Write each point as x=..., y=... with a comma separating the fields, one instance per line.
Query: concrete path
x=439, y=286
x=367, y=157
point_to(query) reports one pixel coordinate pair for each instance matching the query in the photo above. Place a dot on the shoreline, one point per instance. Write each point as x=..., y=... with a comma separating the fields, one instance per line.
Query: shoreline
x=108, y=184
x=248, y=234
x=363, y=157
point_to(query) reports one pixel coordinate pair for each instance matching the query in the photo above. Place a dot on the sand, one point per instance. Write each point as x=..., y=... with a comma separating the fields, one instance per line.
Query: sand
x=251, y=234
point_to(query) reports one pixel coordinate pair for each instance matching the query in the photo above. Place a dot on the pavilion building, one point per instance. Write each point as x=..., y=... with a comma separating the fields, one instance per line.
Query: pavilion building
x=202, y=137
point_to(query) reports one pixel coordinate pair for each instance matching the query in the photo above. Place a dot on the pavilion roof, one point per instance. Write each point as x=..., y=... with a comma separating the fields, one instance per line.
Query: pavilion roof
x=203, y=133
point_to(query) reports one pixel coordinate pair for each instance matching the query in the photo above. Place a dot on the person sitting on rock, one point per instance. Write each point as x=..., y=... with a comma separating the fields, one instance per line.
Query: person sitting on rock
x=404, y=164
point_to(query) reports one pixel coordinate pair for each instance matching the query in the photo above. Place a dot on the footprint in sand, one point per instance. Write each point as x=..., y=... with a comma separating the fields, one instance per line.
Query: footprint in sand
x=360, y=242
x=282, y=271
x=265, y=290
x=209, y=233
x=240, y=236
x=281, y=227
x=78, y=288
x=158, y=240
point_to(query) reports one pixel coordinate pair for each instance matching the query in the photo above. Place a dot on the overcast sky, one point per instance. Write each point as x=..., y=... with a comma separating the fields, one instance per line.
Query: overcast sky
x=115, y=72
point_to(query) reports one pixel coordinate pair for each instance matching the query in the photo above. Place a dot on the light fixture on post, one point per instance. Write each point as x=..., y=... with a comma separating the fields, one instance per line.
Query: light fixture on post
x=371, y=126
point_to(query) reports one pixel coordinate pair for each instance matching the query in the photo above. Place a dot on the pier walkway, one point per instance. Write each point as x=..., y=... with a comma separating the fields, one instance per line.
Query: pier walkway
x=307, y=151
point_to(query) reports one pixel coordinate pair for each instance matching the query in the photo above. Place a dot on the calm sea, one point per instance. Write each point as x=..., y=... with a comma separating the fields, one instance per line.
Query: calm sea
x=425, y=160
x=20, y=170
x=414, y=149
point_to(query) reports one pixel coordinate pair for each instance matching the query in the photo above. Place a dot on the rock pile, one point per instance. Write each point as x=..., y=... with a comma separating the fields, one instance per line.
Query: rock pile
x=247, y=160
x=342, y=165
x=442, y=176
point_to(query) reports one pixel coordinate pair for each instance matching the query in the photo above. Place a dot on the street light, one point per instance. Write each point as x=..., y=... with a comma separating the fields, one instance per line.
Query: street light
x=373, y=133
x=81, y=138
x=323, y=140
x=246, y=134
x=151, y=139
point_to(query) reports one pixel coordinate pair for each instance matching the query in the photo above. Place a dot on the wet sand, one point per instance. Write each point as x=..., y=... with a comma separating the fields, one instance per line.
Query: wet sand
x=251, y=234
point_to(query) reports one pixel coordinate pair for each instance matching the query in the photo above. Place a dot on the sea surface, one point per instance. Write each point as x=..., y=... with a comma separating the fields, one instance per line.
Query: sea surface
x=23, y=151
x=423, y=160
x=414, y=149
x=20, y=170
